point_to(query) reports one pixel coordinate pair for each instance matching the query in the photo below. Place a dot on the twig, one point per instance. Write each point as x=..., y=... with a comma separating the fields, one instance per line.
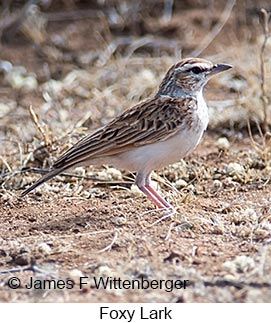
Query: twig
x=170, y=213
x=255, y=145
x=236, y=283
x=44, y=132
x=34, y=268
x=87, y=177
x=168, y=8
x=216, y=30
x=232, y=283
x=171, y=226
x=6, y=163
x=134, y=44
x=109, y=247
x=264, y=98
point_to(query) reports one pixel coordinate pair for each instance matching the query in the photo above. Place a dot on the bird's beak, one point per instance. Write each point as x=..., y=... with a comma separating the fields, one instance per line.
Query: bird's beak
x=217, y=68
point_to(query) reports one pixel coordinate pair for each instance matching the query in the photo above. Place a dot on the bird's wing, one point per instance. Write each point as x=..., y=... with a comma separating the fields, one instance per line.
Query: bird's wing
x=148, y=122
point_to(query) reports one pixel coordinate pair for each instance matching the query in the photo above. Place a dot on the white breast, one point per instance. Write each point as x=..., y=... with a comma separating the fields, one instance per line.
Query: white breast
x=202, y=110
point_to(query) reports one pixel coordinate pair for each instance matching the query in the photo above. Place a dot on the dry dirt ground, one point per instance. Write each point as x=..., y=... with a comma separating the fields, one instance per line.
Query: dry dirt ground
x=96, y=223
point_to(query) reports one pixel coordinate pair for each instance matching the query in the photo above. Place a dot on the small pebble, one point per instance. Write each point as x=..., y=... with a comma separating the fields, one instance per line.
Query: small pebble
x=103, y=175
x=114, y=173
x=120, y=220
x=23, y=259
x=44, y=248
x=180, y=183
x=104, y=271
x=222, y=143
x=217, y=183
x=75, y=274
x=235, y=169
x=135, y=190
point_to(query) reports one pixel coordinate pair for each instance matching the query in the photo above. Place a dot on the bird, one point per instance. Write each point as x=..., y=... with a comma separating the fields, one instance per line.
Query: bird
x=152, y=134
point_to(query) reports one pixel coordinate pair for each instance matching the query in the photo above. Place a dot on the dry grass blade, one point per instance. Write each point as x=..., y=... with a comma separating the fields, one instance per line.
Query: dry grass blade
x=42, y=130
x=265, y=99
x=34, y=268
x=263, y=149
x=216, y=30
x=109, y=247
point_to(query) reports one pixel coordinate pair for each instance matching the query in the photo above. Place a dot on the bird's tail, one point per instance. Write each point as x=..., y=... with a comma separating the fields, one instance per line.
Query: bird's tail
x=43, y=179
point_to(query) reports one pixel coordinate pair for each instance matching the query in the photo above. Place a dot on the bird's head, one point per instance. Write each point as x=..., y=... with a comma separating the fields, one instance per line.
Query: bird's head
x=188, y=76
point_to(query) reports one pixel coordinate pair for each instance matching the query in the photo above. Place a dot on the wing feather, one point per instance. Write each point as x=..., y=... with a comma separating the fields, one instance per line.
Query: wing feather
x=150, y=121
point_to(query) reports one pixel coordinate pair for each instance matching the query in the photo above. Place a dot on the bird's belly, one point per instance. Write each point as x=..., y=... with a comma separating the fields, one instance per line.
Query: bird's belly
x=159, y=154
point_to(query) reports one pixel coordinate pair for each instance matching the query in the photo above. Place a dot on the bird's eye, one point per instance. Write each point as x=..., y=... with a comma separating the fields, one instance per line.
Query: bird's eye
x=196, y=70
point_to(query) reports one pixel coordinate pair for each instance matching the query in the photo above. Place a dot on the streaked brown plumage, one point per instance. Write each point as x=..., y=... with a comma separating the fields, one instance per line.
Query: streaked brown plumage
x=152, y=134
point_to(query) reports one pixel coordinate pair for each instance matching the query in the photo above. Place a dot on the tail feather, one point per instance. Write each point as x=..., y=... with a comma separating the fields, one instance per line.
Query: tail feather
x=43, y=179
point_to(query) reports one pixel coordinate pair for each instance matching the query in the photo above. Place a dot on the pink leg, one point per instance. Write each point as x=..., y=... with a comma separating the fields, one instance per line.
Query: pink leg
x=155, y=197
x=158, y=196
x=155, y=200
x=143, y=183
